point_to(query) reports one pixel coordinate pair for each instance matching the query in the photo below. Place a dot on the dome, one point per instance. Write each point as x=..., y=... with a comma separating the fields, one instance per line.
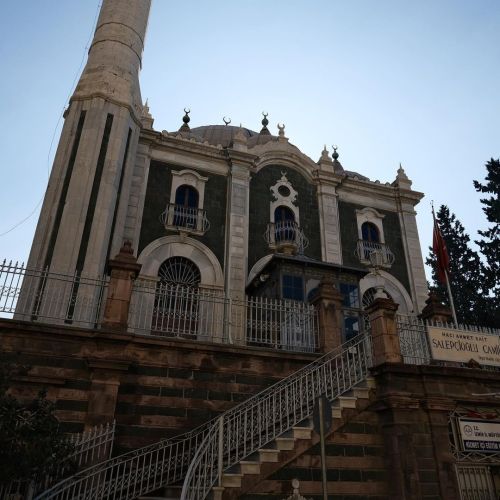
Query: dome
x=220, y=134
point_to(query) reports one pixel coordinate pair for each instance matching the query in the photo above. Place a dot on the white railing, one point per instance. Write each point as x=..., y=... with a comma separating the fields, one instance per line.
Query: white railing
x=94, y=445
x=90, y=447
x=365, y=248
x=188, y=219
x=244, y=429
x=48, y=297
x=202, y=314
x=288, y=233
x=414, y=342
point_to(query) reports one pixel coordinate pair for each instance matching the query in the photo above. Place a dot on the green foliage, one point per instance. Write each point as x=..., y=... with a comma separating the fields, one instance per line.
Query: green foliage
x=466, y=272
x=490, y=241
x=31, y=444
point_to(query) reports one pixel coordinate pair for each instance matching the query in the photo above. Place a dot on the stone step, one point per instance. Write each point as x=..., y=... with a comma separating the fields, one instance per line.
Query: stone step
x=361, y=392
x=231, y=480
x=268, y=455
x=300, y=432
x=248, y=467
x=346, y=402
x=285, y=443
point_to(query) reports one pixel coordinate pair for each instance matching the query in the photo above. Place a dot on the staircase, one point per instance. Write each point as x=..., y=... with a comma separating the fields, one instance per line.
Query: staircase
x=245, y=444
x=245, y=476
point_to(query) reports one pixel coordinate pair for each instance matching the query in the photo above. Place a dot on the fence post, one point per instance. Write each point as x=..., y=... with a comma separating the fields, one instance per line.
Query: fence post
x=328, y=301
x=124, y=269
x=384, y=332
x=435, y=310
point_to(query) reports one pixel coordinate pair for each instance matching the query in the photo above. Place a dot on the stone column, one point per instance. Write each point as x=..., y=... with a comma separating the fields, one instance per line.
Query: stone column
x=103, y=394
x=384, y=331
x=328, y=301
x=435, y=310
x=124, y=269
x=438, y=410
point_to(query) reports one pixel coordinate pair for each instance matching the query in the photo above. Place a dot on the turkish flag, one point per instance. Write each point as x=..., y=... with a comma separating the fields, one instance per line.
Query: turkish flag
x=441, y=252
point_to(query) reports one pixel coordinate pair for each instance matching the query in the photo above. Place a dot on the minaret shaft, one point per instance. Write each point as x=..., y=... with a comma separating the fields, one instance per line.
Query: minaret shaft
x=92, y=171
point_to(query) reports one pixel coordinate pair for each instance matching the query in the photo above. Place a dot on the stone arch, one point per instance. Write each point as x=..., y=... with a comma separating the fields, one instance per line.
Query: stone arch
x=163, y=248
x=301, y=164
x=393, y=286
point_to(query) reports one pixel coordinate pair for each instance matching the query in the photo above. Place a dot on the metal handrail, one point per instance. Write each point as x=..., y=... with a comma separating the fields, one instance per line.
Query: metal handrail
x=247, y=428
x=167, y=462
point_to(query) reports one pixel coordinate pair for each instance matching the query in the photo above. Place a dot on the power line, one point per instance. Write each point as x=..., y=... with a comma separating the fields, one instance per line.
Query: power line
x=72, y=89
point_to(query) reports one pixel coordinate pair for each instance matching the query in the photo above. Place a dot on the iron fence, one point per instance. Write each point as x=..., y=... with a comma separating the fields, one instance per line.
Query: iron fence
x=166, y=310
x=49, y=297
x=414, y=341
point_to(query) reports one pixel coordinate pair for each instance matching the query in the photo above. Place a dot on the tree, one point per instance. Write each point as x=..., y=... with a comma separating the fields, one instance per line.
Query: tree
x=31, y=443
x=466, y=271
x=490, y=241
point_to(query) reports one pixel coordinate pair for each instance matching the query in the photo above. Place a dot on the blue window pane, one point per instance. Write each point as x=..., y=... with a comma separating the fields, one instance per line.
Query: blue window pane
x=293, y=287
x=350, y=295
x=351, y=327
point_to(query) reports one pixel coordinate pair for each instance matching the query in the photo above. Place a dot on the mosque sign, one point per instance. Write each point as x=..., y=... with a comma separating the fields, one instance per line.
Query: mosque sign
x=461, y=346
x=480, y=435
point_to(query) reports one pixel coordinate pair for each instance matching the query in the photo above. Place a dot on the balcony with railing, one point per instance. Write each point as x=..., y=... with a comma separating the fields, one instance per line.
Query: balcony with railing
x=286, y=237
x=186, y=219
x=365, y=248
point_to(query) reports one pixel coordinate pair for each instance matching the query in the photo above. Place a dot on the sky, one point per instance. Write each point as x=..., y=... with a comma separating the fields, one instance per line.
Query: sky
x=386, y=81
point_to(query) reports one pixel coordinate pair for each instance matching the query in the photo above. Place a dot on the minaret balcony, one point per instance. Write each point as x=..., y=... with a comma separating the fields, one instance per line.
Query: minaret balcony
x=185, y=219
x=286, y=237
x=366, y=248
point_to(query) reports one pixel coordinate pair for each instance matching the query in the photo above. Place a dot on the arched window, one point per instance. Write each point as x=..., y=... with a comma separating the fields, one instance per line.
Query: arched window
x=186, y=206
x=284, y=224
x=176, y=300
x=179, y=271
x=369, y=232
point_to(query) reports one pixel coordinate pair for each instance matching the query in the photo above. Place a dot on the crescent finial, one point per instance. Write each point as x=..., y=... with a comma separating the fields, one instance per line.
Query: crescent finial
x=226, y=121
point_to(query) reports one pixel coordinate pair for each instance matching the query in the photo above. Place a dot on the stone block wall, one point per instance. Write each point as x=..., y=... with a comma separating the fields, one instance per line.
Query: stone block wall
x=154, y=387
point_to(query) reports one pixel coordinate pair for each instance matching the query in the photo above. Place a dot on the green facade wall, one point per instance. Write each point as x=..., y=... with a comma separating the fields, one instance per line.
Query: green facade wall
x=260, y=200
x=158, y=195
x=393, y=238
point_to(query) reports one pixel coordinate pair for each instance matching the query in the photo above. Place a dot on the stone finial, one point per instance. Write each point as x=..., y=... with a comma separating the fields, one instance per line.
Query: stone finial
x=265, y=123
x=281, y=133
x=185, y=127
x=240, y=140
x=325, y=163
x=146, y=119
x=296, y=492
x=337, y=166
x=402, y=180
x=435, y=310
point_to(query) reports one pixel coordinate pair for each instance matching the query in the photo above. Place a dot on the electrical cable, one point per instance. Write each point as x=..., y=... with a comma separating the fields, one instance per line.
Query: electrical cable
x=72, y=89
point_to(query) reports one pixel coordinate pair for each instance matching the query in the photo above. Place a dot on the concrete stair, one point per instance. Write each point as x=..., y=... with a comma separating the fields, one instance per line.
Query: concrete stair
x=243, y=477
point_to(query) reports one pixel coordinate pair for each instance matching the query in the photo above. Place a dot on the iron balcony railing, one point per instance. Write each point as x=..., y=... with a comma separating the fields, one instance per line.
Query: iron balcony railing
x=199, y=456
x=179, y=217
x=365, y=248
x=286, y=236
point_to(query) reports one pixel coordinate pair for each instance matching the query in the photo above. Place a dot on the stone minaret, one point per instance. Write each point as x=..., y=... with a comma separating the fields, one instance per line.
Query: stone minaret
x=83, y=214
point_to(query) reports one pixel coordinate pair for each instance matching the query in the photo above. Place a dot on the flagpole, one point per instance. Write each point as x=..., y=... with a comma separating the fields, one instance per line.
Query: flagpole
x=452, y=304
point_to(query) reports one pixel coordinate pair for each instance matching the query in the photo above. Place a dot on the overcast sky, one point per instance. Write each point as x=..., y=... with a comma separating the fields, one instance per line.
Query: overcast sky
x=386, y=81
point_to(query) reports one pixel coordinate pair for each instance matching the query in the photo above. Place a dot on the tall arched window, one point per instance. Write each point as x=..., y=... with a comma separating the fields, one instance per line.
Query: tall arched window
x=284, y=224
x=369, y=232
x=186, y=206
x=176, y=300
